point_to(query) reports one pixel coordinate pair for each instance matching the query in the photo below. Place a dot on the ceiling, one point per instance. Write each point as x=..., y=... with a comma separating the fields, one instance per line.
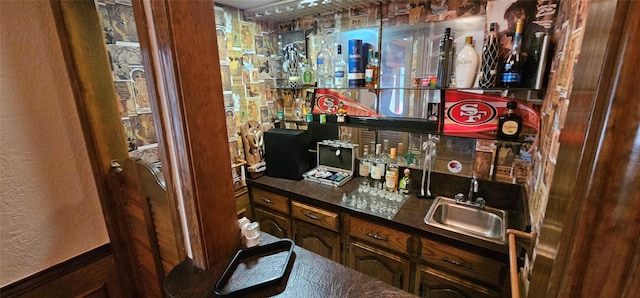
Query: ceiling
x=278, y=11
x=244, y=4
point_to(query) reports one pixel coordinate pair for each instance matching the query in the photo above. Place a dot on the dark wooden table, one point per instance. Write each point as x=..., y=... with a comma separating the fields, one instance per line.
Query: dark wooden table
x=310, y=275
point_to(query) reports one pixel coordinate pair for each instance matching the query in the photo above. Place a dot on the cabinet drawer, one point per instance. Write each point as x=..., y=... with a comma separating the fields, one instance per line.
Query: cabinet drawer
x=316, y=216
x=379, y=235
x=462, y=262
x=434, y=283
x=270, y=200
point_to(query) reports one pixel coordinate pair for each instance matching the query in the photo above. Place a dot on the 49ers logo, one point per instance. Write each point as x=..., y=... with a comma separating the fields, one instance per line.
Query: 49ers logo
x=327, y=104
x=471, y=112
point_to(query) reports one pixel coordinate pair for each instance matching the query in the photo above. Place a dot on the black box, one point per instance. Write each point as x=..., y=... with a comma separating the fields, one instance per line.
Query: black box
x=286, y=153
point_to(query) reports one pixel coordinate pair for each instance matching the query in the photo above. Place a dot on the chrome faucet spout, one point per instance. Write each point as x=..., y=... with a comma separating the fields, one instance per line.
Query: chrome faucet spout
x=473, y=189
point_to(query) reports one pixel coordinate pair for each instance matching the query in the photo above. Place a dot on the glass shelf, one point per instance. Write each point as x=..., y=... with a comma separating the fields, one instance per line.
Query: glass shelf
x=496, y=89
x=410, y=125
x=527, y=95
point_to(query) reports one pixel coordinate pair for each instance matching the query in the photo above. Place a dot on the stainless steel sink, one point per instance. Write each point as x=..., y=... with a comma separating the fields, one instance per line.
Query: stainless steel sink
x=487, y=223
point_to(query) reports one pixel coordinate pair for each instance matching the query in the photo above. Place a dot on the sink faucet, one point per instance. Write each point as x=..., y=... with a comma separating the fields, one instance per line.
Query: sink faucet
x=471, y=198
x=473, y=189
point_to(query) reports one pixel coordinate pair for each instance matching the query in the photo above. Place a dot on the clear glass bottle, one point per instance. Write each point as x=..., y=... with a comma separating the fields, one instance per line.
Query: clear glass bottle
x=509, y=123
x=392, y=173
x=467, y=62
x=443, y=75
x=400, y=159
x=371, y=71
x=378, y=167
x=324, y=66
x=385, y=150
x=365, y=165
x=340, y=70
x=489, y=68
x=513, y=64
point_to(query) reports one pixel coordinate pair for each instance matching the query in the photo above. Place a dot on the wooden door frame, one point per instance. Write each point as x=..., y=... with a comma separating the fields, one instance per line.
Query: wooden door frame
x=186, y=93
x=589, y=241
x=186, y=88
x=85, y=55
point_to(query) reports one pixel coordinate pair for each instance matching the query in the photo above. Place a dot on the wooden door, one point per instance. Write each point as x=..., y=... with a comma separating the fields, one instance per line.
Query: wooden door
x=318, y=240
x=436, y=284
x=273, y=223
x=86, y=59
x=377, y=263
x=126, y=207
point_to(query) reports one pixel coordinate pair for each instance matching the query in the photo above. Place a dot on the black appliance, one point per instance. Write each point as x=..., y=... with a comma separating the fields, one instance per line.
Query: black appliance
x=286, y=152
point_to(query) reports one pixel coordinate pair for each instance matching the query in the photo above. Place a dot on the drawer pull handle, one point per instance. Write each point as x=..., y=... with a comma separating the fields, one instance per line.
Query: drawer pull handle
x=267, y=201
x=309, y=215
x=375, y=236
x=459, y=264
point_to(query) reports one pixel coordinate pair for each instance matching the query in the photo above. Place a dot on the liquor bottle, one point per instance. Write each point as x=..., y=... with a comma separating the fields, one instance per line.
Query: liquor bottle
x=400, y=160
x=308, y=77
x=467, y=63
x=292, y=70
x=356, y=63
x=378, y=167
x=536, y=65
x=489, y=69
x=340, y=70
x=444, y=60
x=405, y=183
x=392, y=173
x=324, y=67
x=385, y=151
x=509, y=124
x=365, y=165
x=371, y=71
x=512, y=66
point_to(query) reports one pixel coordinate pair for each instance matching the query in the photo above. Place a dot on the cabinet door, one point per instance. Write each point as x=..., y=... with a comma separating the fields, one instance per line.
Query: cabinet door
x=318, y=240
x=273, y=223
x=377, y=263
x=463, y=263
x=436, y=284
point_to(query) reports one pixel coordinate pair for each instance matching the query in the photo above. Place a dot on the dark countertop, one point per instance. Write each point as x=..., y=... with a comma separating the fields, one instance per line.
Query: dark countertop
x=410, y=217
x=310, y=275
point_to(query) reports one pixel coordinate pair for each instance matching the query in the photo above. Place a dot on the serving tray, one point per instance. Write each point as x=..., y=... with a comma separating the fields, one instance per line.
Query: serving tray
x=255, y=269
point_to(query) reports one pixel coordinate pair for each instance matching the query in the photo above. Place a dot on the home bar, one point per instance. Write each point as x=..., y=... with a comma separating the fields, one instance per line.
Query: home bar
x=328, y=148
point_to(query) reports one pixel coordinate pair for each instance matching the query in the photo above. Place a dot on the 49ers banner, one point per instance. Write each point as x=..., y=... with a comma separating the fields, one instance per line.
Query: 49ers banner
x=327, y=103
x=471, y=112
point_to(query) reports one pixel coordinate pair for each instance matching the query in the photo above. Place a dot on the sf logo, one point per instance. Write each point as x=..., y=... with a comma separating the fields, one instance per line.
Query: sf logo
x=472, y=113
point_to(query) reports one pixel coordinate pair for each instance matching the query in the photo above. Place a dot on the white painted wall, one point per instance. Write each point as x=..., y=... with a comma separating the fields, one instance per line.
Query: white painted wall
x=49, y=206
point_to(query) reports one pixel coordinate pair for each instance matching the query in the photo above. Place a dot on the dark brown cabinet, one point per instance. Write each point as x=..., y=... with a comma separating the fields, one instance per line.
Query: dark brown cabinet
x=463, y=263
x=447, y=271
x=273, y=223
x=318, y=240
x=379, y=251
x=383, y=265
x=433, y=283
x=411, y=262
x=317, y=230
x=272, y=212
